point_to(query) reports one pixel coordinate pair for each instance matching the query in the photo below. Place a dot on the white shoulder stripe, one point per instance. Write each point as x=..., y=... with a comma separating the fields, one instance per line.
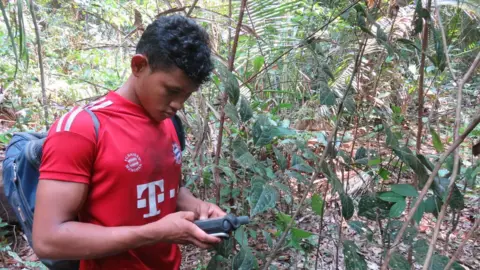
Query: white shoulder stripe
x=60, y=122
x=102, y=105
x=71, y=118
x=97, y=101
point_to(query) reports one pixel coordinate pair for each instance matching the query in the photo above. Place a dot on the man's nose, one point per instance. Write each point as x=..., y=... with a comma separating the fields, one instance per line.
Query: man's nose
x=176, y=105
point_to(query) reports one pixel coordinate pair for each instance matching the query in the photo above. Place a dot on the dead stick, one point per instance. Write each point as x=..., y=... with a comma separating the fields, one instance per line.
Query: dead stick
x=460, y=248
x=424, y=191
x=224, y=100
x=441, y=216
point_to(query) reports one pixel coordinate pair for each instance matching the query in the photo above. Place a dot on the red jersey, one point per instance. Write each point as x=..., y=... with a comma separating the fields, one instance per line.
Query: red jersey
x=132, y=170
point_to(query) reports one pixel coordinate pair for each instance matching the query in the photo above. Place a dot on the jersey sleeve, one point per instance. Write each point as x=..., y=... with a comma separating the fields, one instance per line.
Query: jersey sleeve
x=70, y=149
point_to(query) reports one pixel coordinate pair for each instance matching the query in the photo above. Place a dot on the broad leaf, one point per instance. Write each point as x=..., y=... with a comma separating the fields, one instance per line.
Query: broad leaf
x=241, y=237
x=327, y=97
x=296, y=175
x=440, y=261
x=258, y=63
x=384, y=173
x=413, y=162
x=264, y=131
x=437, y=142
x=299, y=233
x=406, y=190
x=361, y=153
x=317, y=204
x=241, y=153
x=268, y=238
x=391, y=197
x=398, y=262
x=420, y=211
x=224, y=248
x=352, y=257
x=420, y=249
x=245, y=110
x=303, y=168
x=282, y=162
x=361, y=228
x=347, y=206
x=397, y=209
x=370, y=205
x=244, y=260
x=392, y=140
x=425, y=162
x=215, y=263
x=231, y=112
x=262, y=198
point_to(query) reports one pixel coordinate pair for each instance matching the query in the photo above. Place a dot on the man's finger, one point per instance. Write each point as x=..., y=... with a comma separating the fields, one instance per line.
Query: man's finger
x=205, y=238
x=204, y=212
x=190, y=216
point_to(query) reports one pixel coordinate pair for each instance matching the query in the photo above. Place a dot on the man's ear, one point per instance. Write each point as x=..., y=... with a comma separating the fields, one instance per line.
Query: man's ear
x=138, y=64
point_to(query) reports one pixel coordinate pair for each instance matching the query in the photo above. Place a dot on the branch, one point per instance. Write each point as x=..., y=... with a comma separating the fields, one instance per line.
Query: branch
x=444, y=40
x=460, y=248
x=441, y=216
x=191, y=8
x=326, y=150
x=40, y=63
x=424, y=191
x=224, y=99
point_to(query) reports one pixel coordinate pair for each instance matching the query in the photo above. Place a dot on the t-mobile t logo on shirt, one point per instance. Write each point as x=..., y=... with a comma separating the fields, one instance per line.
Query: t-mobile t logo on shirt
x=152, y=197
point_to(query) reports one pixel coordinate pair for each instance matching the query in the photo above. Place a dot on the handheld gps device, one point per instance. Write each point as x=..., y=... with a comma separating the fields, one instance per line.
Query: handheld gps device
x=221, y=227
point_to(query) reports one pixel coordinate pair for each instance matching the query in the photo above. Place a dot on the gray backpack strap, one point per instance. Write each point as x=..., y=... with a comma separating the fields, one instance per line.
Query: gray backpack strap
x=96, y=123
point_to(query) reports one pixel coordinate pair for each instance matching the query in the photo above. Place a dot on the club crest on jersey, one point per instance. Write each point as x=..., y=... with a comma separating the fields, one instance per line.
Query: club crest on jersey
x=134, y=162
x=177, y=153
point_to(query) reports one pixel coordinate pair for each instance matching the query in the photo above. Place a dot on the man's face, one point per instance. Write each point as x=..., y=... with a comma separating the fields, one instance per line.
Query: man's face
x=163, y=93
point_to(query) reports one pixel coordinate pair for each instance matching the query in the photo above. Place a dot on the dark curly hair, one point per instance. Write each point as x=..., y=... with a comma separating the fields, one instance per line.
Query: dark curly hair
x=177, y=40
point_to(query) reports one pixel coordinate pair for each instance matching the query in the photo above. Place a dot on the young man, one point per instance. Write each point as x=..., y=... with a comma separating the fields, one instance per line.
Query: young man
x=114, y=201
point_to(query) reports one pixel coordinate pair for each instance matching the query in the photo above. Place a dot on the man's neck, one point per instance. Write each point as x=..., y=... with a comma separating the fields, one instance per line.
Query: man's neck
x=127, y=91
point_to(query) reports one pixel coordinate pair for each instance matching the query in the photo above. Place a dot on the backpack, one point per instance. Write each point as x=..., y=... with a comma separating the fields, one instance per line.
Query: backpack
x=21, y=166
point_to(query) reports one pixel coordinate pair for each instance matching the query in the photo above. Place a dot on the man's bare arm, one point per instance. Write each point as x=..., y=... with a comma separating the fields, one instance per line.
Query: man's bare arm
x=57, y=236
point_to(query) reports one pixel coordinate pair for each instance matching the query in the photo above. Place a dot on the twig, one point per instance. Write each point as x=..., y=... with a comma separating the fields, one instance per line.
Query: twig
x=330, y=144
x=431, y=248
x=191, y=8
x=224, y=100
x=40, y=63
x=444, y=39
x=424, y=191
x=460, y=248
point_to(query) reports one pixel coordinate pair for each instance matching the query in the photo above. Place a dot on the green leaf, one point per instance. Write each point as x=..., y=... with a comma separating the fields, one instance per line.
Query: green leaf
x=332, y=178
x=397, y=209
x=241, y=237
x=264, y=131
x=258, y=63
x=420, y=249
x=374, y=162
x=241, y=154
x=327, y=71
x=384, y=173
x=361, y=153
x=392, y=140
x=440, y=261
x=282, y=220
x=406, y=190
x=347, y=206
x=398, y=262
x=352, y=257
x=296, y=175
x=439, y=51
x=391, y=197
x=425, y=162
x=262, y=198
x=317, y=204
x=414, y=163
x=282, y=162
x=303, y=168
x=215, y=263
x=432, y=205
x=370, y=205
x=299, y=233
x=420, y=211
x=361, y=228
x=327, y=97
x=245, y=110
x=437, y=142
x=244, y=260
x=268, y=238
x=231, y=112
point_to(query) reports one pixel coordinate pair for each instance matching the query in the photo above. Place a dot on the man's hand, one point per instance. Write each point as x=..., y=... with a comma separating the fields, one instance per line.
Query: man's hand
x=206, y=210
x=179, y=228
x=202, y=210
